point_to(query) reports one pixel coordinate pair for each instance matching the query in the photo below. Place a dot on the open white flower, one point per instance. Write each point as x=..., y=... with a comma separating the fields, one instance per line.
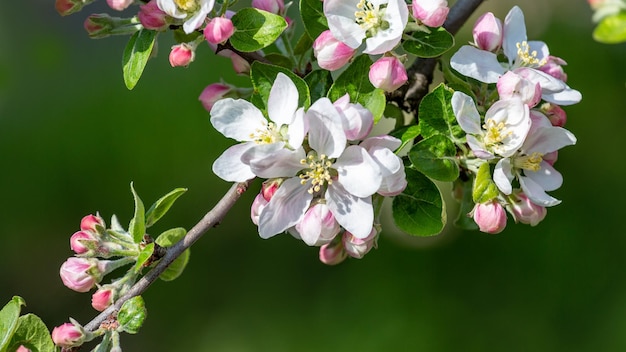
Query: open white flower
x=192, y=12
x=277, y=141
x=535, y=175
x=380, y=22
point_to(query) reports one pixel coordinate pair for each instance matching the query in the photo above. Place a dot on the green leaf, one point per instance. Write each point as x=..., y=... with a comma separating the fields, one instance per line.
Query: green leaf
x=435, y=158
x=280, y=60
x=406, y=134
x=162, y=206
x=436, y=114
x=432, y=44
x=255, y=29
x=467, y=204
x=136, y=55
x=170, y=237
x=304, y=44
x=263, y=77
x=143, y=257
x=137, y=225
x=8, y=320
x=612, y=29
x=354, y=81
x=419, y=210
x=33, y=334
x=484, y=188
x=319, y=82
x=132, y=314
x=176, y=268
x=312, y=12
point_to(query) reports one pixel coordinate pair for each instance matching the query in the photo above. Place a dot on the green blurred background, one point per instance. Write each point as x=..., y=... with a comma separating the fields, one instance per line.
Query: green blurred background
x=72, y=138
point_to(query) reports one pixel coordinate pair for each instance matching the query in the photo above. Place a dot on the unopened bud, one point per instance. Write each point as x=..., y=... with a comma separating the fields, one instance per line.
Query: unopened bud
x=526, y=211
x=99, y=25
x=218, y=30
x=357, y=121
x=269, y=187
x=90, y=222
x=490, y=217
x=555, y=114
x=332, y=253
x=273, y=6
x=388, y=73
x=554, y=67
x=257, y=207
x=80, y=274
x=119, y=5
x=68, y=335
x=68, y=7
x=359, y=247
x=318, y=226
x=488, y=32
x=432, y=13
x=152, y=17
x=22, y=349
x=103, y=297
x=331, y=54
x=79, y=241
x=212, y=93
x=182, y=55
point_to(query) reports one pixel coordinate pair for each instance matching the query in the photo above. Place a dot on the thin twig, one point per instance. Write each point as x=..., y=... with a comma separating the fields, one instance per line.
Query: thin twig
x=420, y=74
x=212, y=218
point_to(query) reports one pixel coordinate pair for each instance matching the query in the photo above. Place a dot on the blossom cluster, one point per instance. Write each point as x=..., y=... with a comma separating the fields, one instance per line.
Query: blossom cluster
x=522, y=130
x=322, y=169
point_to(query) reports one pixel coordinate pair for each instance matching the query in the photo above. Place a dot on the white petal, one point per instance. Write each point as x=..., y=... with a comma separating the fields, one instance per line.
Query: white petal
x=355, y=214
x=285, y=209
x=502, y=176
x=326, y=135
x=170, y=8
x=478, y=148
x=567, y=96
x=536, y=194
x=383, y=141
x=547, y=177
x=478, y=64
x=283, y=100
x=396, y=15
x=237, y=119
x=548, y=139
x=296, y=130
x=466, y=113
x=358, y=173
x=196, y=20
x=514, y=32
x=393, y=184
x=229, y=166
x=273, y=160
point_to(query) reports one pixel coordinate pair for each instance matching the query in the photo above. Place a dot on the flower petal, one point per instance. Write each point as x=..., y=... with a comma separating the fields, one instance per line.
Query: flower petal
x=547, y=177
x=237, y=119
x=358, y=173
x=285, y=209
x=503, y=175
x=283, y=100
x=536, y=194
x=514, y=32
x=478, y=64
x=466, y=113
x=326, y=135
x=355, y=214
x=229, y=166
x=273, y=160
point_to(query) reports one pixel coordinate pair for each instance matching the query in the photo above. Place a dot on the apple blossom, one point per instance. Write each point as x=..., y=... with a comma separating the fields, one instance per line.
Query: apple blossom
x=68, y=335
x=218, y=30
x=331, y=54
x=332, y=253
x=487, y=32
x=119, y=5
x=490, y=217
x=380, y=23
x=152, y=17
x=182, y=55
x=388, y=73
x=191, y=12
x=512, y=85
x=525, y=211
x=432, y=13
x=359, y=247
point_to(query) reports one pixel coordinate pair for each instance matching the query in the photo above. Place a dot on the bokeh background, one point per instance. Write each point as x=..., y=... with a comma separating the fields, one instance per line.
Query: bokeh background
x=72, y=138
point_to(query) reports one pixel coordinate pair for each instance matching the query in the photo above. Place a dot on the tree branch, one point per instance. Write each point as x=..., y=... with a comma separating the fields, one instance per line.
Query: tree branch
x=420, y=74
x=211, y=219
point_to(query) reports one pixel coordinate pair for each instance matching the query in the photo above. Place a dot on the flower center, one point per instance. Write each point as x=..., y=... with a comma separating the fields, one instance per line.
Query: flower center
x=270, y=134
x=370, y=17
x=495, y=132
x=530, y=162
x=318, y=171
x=187, y=5
x=528, y=58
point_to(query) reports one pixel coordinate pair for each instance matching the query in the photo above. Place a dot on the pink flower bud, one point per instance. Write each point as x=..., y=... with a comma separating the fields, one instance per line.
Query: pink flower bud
x=103, y=297
x=273, y=6
x=432, y=13
x=119, y=5
x=513, y=85
x=99, y=25
x=218, y=30
x=22, y=349
x=182, y=55
x=331, y=54
x=212, y=93
x=68, y=7
x=80, y=274
x=269, y=187
x=257, y=207
x=89, y=223
x=388, y=73
x=79, y=240
x=68, y=335
x=357, y=121
x=332, y=253
x=490, y=217
x=526, y=211
x=151, y=16
x=555, y=114
x=488, y=32
x=318, y=226
x=554, y=67
x=358, y=247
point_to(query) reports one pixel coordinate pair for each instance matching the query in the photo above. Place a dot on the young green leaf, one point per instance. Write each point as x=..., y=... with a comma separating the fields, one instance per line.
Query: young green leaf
x=419, y=210
x=312, y=12
x=263, y=77
x=255, y=29
x=435, y=158
x=484, y=188
x=32, y=333
x=162, y=206
x=319, y=82
x=143, y=257
x=176, y=268
x=304, y=44
x=612, y=29
x=354, y=81
x=137, y=226
x=432, y=44
x=406, y=134
x=132, y=314
x=8, y=320
x=170, y=237
x=436, y=114
x=136, y=55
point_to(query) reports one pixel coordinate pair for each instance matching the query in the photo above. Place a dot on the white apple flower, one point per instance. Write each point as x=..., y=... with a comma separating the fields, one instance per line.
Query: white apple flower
x=277, y=141
x=191, y=12
x=536, y=175
x=380, y=23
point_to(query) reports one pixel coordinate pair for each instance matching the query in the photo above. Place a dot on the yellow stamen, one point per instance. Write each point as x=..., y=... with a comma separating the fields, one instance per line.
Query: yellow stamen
x=495, y=132
x=370, y=17
x=186, y=5
x=318, y=172
x=266, y=136
x=529, y=162
x=529, y=59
